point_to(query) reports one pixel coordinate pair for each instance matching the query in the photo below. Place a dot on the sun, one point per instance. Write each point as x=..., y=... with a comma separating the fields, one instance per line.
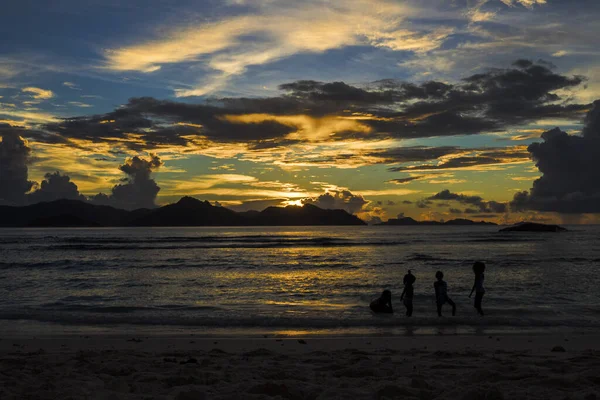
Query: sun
x=293, y=203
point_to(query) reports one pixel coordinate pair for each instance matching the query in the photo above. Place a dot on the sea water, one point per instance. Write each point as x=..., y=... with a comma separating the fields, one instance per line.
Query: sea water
x=292, y=280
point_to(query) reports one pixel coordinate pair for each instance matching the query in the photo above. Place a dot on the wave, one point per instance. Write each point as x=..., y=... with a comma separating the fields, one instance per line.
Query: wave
x=103, y=316
x=60, y=307
x=216, y=245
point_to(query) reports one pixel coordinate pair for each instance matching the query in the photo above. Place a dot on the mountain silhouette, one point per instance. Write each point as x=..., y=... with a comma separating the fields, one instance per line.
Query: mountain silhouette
x=188, y=211
x=54, y=212
x=308, y=214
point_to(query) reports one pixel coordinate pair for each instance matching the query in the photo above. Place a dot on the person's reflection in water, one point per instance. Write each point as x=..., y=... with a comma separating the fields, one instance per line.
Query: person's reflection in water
x=383, y=304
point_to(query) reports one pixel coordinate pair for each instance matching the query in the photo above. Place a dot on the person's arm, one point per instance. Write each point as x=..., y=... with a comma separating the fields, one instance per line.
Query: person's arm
x=473, y=289
x=402, y=295
x=391, y=310
x=437, y=290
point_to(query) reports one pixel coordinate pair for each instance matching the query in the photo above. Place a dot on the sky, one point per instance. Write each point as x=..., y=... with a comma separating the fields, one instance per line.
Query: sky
x=479, y=109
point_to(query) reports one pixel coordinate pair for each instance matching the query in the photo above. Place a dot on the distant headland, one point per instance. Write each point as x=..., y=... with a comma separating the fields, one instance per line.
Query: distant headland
x=533, y=227
x=186, y=212
x=407, y=221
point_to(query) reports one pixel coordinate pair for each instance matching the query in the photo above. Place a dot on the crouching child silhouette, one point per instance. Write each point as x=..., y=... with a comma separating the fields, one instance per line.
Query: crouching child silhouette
x=383, y=304
x=408, y=293
x=441, y=294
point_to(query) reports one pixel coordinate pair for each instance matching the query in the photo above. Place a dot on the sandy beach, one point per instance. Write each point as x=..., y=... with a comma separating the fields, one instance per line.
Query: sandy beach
x=189, y=367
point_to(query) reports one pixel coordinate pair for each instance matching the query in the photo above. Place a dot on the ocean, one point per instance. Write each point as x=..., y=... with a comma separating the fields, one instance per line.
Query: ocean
x=292, y=280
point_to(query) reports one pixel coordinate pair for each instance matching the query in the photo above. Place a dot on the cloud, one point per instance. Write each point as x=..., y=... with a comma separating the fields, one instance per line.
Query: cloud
x=71, y=85
x=404, y=181
x=342, y=200
x=423, y=203
x=482, y=206
x=273, y=31
x=414, y=153
x=138, y=189
x=526, y=3
x=28, y=117
x=471, y=159
x=326, y=114
x=15, y=155
x=570, y=181
x=256, y=205
x=146, y=123
x=55, y=186
x=37, y=93
x=80, y=104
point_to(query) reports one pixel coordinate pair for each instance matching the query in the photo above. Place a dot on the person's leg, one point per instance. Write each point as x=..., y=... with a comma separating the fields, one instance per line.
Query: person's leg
x=478, y=299
x=439, y=308
x=453, y=306
x=409, y=308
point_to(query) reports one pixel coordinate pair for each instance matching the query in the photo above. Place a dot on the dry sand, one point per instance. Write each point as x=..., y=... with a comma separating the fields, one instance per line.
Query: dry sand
x=416, y=367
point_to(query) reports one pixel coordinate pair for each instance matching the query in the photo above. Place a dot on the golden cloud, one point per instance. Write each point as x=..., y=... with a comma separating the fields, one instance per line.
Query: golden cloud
x=37, y=93
x=278, y=31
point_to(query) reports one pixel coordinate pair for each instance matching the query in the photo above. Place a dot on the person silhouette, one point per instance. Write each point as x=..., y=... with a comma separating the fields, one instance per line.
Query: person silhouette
x=478, y=269
x=408, y=292
x=441, y=294
x=383, y=304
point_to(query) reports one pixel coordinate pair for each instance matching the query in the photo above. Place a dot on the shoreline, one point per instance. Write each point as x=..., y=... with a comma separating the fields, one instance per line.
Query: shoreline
x=190, y=342
x=16, y=329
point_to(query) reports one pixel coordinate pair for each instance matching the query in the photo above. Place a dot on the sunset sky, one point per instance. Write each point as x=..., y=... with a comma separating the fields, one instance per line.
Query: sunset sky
x=427, y=108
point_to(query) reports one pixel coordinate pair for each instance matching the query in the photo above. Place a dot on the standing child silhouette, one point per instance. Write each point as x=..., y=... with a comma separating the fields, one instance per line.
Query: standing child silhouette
x=408, y=293
x=478, y=269
x=441, y=294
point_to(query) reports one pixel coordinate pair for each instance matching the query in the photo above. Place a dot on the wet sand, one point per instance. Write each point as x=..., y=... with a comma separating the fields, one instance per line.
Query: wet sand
x=189, y=367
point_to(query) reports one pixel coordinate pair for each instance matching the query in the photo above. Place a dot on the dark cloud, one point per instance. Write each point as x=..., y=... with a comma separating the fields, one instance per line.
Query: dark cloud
x=14, y=157
x=487, y=157
x=402, y=181
x=493, y=100
x=342, y=200
x=482, y=205
x=414, y=153
x=455, y=211
x=423, y=203
x=570, y=167
x=138, y=189
x=54, y=187
x=161, y=122
x=407, y=202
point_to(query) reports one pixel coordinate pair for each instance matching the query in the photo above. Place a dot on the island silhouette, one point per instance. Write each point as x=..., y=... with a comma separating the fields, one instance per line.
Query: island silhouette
x=408, y=221
x=188, y=211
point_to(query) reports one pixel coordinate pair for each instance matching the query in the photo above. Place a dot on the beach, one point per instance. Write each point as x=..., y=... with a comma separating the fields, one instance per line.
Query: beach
x=244, y=313
x=399, y=367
